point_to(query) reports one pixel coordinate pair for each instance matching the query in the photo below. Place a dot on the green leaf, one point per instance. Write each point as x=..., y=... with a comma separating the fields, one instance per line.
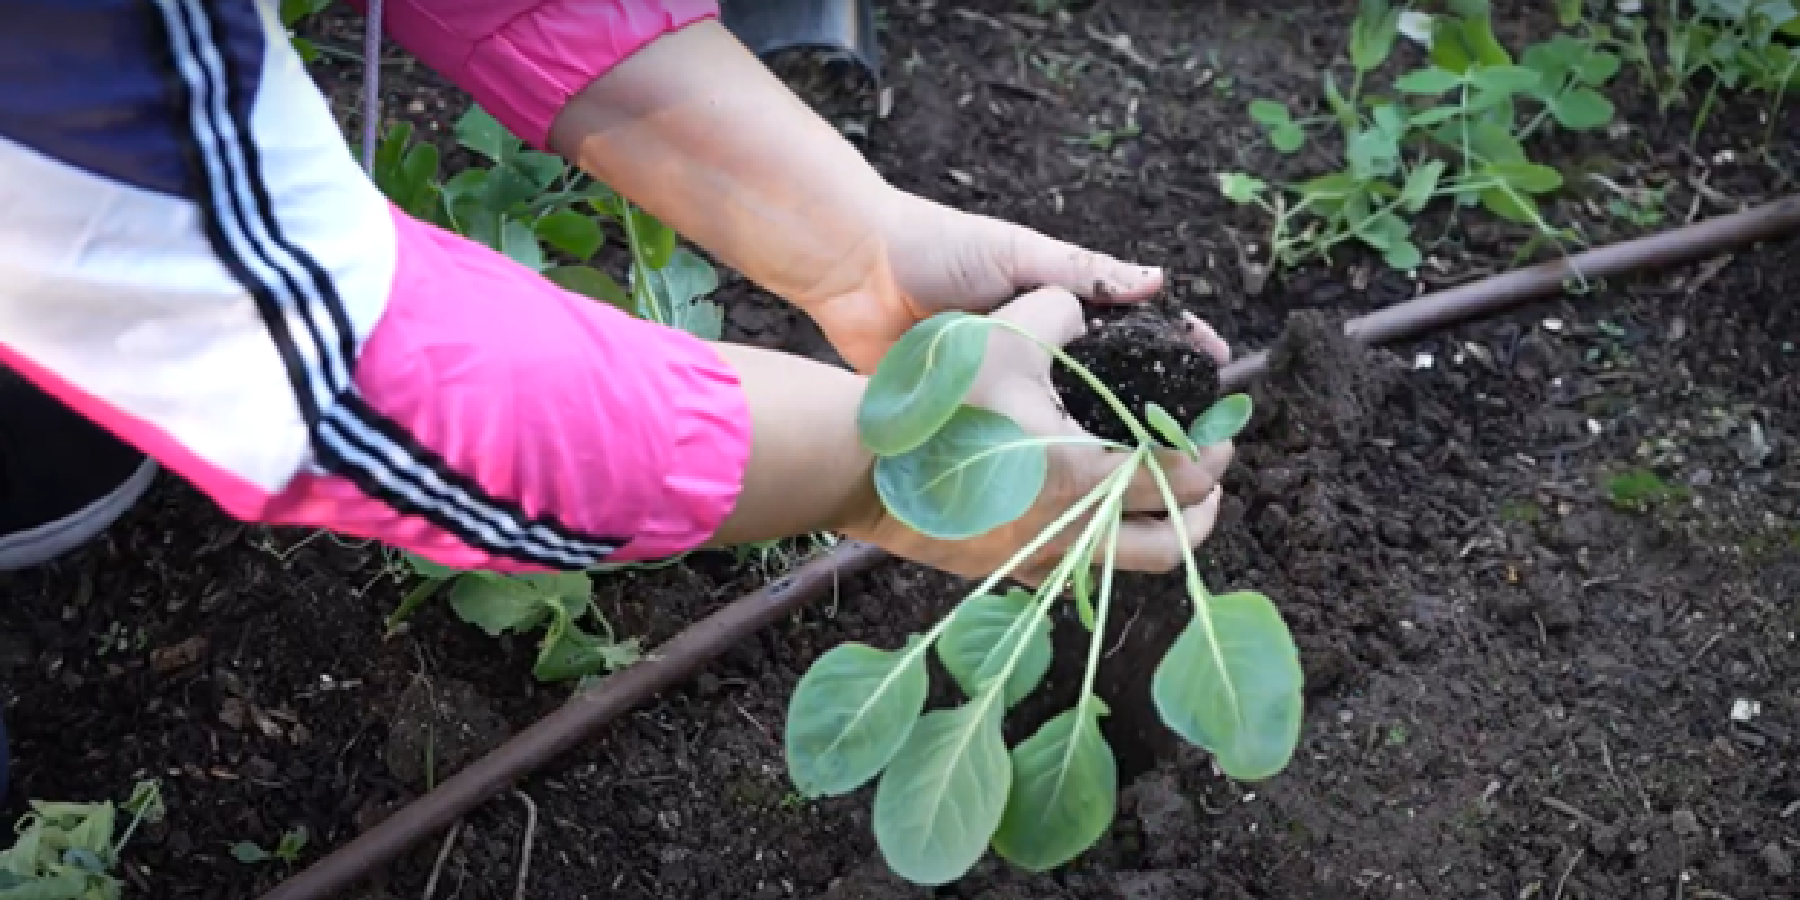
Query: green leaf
x=1222, y=421
x=481, y=132
x=1597, y=67
x=1493, y=143
x=1435, y=116
x=497, y=603
x=426, y=568
x=1340, y=106
x=850, y=714
x=1582, y=109
x=1241, y=188
x=976, y=473
x=680, y=290
x=571, y=653
x=591, y=282
x=1463, y=41
x=1568, y=12
x=921, y=382
x=1168, y=429
x=1421, y=185
x=539, y=169
x=983, y=635
x=656, y=240
x=249, y=854
x=1288, y=138
x=1270, y=113
x=940, y=801
x=1372, y=153
x=1531, y=178
x=1372, y=34
x=1504, y=81
x=521, y=245
x=1403, y=255
x=1065, y=790
x=571, y=232
x=1512, y=206
x=1081, y=584
x=507, y=189
x=1431, y=80
x=1231, y=684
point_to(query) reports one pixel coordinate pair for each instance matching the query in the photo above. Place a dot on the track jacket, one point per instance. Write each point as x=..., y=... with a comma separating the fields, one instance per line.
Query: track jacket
x=191, y=256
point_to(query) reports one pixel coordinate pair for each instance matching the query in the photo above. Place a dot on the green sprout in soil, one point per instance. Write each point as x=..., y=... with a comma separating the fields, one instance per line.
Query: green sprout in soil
x=1637, y=490
x=66, y=851
x=287, y=850
x=1456, y=129
x=949, y=787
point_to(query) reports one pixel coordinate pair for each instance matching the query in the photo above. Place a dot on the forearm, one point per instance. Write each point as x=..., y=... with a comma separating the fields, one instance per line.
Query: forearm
x=695, y=129
x=808, y=470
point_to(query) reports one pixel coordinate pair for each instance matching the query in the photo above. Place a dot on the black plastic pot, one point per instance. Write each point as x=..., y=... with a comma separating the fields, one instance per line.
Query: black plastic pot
x=827, y=51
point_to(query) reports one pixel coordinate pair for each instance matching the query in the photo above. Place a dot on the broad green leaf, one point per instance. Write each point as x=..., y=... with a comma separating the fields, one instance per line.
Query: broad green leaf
x=417, y=177
x=481, y=132
x=249, y=854
x=1168, y=429
x=1435, y=116
x=467, y=183
x=1287, y=138
x=571, y=232
x=1231, y=684
x=1270, y=113
x=1327, y=194
x=850, y=713
x=1582, y=109
x=1340, y=105
x=656, y=240
x=983, y=636
x=1568, y=12
x=1431, y=80
x=507, y=189
x=680, y=289
x=1597, y=67
x=1065, y=790
x=1222, y=421
x=521, y=245
x=1464, y=40
x=921, y=382
x=1492, y=143
x=1504, y=80
x=977, y=472
x=591, y=282
x=1372, y=34
x=1384, y=231
x=389, y=153
x=539, y=169
x=1403, y=255
x=1530, y=178
x=1239, y=187
x=1372, y=153
x=942, y=797
x=575, y=654
x=1421, y=185
x=1513, y=206
x=497, y=603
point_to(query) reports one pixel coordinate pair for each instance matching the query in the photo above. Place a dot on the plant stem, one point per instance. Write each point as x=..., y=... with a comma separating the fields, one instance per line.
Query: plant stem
x=1103, y=602
x=640, y=278
x=410, y=604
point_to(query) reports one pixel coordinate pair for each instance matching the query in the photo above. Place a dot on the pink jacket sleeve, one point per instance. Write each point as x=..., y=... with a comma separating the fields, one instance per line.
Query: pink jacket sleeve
x=523, y=59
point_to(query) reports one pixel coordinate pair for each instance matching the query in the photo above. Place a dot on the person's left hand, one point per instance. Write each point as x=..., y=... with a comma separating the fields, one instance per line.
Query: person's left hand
x=929, y=258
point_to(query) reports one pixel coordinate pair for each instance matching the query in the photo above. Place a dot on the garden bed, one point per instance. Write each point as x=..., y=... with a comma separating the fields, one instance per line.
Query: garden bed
x=1532, y=565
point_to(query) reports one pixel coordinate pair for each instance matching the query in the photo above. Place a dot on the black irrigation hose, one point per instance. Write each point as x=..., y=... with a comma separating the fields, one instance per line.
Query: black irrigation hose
x=588, y=712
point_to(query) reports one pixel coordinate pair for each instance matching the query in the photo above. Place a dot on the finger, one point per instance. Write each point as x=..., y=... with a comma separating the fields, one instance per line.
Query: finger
x=1206, y=339
x=1051, y=314
x=1029, y=258
x=1148, y=545
x=1190, y=480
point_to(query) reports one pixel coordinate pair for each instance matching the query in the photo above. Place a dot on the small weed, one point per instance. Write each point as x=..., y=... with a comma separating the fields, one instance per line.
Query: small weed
x=1455, y=129
x=66, y=851
x=1638, y=490
x=287, y=850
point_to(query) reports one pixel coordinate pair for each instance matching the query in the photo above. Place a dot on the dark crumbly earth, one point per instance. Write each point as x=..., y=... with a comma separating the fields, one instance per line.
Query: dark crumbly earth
x=1527, y=676
x=1144, y=354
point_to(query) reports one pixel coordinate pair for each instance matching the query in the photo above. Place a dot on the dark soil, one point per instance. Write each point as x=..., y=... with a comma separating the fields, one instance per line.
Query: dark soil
x=1517, y=688
x=1145, y=355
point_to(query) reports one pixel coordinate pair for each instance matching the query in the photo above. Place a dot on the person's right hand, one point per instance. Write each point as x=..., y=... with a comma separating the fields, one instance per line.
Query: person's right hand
x=1015, y=381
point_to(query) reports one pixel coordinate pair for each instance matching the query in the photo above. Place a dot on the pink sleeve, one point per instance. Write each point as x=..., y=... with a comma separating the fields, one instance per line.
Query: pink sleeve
x=523, y=59
x=558, y=407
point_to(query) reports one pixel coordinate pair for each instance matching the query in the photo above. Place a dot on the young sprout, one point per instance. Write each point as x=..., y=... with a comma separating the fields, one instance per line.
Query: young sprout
x=949, y=788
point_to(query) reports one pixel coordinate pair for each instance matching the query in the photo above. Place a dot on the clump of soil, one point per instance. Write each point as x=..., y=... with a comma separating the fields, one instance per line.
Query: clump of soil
x=439, y=726
x=1321, y=384
x=1144, y=354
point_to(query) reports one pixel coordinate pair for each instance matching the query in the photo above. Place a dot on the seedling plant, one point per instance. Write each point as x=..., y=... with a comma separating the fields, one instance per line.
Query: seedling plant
x=67, y=851
x=948, y=786
x=1456, y=128
x=287, y=850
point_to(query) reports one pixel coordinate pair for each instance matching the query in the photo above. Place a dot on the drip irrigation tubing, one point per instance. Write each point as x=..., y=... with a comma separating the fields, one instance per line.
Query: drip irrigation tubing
x=683, y=655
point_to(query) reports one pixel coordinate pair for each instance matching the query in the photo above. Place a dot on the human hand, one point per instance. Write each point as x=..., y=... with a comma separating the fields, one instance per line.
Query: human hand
x=1015, y=381
x=932, y=258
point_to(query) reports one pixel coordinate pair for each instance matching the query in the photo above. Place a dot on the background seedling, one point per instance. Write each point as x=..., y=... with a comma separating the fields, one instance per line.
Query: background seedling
x=287, y=850
x=948, y=787
x=1456, y=129
x=66, y=851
